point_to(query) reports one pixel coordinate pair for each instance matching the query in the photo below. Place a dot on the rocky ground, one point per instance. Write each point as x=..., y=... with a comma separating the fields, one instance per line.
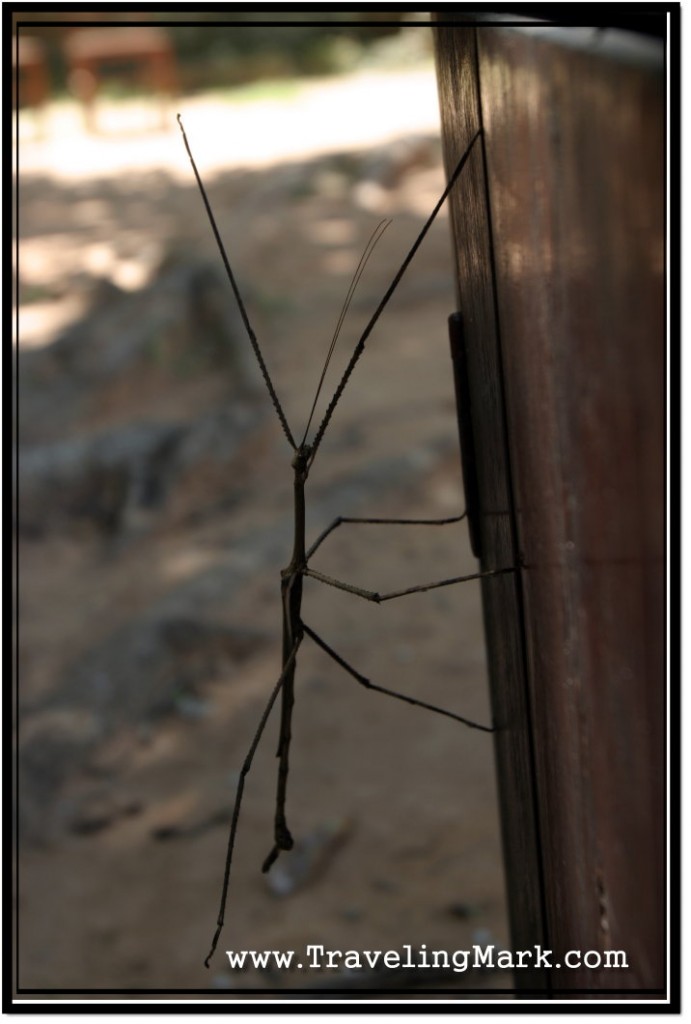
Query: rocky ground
x=154, y=518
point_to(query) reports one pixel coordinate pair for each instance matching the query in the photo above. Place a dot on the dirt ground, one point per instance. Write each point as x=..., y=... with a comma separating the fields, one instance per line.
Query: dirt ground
x=119, y=879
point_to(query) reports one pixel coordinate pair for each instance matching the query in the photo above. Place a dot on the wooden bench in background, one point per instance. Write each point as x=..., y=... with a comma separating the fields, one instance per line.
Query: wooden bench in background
x=142, y=53
x=32, y=67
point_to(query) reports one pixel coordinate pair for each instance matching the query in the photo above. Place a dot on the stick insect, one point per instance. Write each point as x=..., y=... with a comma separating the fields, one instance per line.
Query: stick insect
x=293, y=576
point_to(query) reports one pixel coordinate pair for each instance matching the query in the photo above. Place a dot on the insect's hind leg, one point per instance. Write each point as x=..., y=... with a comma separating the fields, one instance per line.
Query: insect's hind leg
x=244, y=771
x=368, y=684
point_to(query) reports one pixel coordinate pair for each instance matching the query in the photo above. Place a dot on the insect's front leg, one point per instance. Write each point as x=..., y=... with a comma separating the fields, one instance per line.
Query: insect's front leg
x=372, y=595
x=340, y=520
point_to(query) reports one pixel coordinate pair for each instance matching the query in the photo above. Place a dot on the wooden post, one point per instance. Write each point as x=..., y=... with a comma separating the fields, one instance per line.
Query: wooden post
x=559, y=237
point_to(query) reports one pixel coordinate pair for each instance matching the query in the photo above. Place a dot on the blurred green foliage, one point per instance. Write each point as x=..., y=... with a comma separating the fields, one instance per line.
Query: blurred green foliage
x=250, y=50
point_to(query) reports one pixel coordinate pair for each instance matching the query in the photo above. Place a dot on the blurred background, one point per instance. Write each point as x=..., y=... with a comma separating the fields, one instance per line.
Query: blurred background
x=155, y=500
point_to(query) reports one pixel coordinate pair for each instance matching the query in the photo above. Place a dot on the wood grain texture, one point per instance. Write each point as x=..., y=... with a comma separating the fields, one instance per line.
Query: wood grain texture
x=560, y=248
x=457, y=77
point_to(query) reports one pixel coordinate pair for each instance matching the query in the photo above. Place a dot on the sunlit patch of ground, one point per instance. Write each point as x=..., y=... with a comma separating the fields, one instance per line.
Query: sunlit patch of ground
x=329, y=115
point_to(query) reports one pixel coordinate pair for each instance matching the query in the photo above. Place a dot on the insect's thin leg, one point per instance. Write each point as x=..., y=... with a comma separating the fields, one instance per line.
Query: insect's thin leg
x=368, y=684
x=290, y=661
x=282, y=837
x=339, y=520
x=373, y=595
x=238, y=298
x=357, y=352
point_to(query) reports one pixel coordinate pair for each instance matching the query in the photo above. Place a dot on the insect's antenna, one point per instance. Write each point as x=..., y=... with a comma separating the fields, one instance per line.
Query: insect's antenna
x=391, y=289
x=238, y=297
x=369, y=249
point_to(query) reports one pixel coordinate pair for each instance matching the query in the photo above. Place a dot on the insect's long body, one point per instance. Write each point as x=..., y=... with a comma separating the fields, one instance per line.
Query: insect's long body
x=291, y=601
x=293, y=576
x=301, y=468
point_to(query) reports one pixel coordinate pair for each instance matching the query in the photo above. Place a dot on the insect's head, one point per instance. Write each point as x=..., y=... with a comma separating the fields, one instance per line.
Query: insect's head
x=301, y=458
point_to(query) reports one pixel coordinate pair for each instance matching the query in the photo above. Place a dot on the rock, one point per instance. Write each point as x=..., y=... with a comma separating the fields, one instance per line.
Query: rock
x=138, y=675
x=387, y=167
x=52, y=743
x=98, y=810
x=140, y=672
x=180, y=327
x=119, y=480
x=95, y=479
x=128, y=352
